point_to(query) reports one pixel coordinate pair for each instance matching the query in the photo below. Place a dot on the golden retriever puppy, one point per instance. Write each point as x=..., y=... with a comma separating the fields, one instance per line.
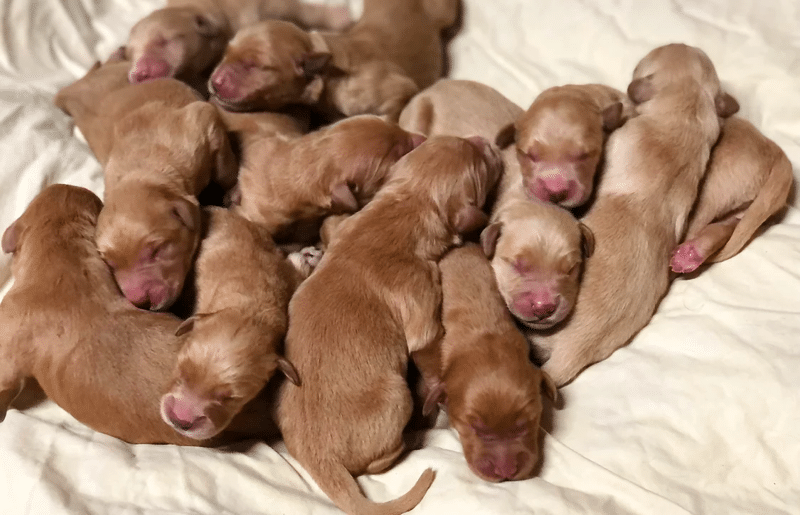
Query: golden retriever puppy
x=749, y=179
x=66, y=325
x=244, y=284
x=560, y=140
x=375, y=67
x=373, y=298
x=537, y=250
x=654, y=165
x=338, y=168
x=482, y=372
x=187, y=38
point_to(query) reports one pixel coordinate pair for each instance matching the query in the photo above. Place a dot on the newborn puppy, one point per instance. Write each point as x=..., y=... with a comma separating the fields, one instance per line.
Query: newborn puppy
x=337, y=168
x=536, y=249
x=560, y=139
x=482, y=371
x=164, y=153
x=244, y=284
x=749, y=179
x=187, y=38
x=374, y=297
x=375, y=67
x=66, y=325
x=654, y=165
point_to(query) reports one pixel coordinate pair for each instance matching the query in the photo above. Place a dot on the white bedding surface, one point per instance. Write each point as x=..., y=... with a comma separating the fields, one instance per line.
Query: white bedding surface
x=699, y=414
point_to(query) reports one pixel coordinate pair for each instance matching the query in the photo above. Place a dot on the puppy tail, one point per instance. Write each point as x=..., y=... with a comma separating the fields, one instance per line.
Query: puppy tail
x=336, y=481
x=770, y=199
x=443, y=13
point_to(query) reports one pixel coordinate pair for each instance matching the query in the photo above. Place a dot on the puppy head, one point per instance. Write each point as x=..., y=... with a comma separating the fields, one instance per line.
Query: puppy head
x=148, y=238
x=267, y=66
x=559, y=142
x=537, y=252
x=496, y=413
x=223, y=364
x=180, y=42
x=671, y=64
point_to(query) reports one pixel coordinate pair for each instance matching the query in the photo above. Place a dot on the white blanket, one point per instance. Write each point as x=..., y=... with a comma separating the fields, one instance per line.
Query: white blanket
x=699, y=414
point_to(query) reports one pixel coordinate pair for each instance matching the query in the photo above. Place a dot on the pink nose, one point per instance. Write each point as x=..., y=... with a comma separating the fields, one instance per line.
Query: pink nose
x=499, y=467
x=152, y=295
x=179, y=415
x=553, y=188
x=148, y=69
x=223, y=83
x=535, y=305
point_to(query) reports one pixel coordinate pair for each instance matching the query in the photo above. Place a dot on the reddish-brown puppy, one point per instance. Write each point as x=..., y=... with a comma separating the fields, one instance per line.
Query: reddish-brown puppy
x=66, y=325
x=375, y=67
x=560, y=140
x=187, y=38
x=374, y=297
x=338, y=168
x=749, y=179
x=482, y=372
x=244, y=284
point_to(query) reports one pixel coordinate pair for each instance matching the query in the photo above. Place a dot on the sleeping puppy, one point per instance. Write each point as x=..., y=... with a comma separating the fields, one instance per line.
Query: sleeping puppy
x=560, y=140
x=654, y=165
x=231, y=350
x=187, y=38
x=537, y=250
x=749, y=179
x=164, y=153
x=482, y=371
x=338, y=168
x=374, y=297
x=375, y=67
x=66, y=325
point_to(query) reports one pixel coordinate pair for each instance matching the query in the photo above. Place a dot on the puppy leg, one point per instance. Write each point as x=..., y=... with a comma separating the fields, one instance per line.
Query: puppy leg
x=692, y=253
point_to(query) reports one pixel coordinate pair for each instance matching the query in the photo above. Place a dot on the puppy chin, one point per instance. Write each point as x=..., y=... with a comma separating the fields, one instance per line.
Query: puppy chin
x=234, y=105
x=560, y=314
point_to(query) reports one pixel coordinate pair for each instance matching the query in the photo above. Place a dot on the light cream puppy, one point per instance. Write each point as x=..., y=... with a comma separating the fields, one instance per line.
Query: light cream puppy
x=654, y=165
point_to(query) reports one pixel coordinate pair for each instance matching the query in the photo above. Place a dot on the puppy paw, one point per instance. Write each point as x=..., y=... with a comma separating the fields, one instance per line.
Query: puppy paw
x=305, y=260
x=686, y=258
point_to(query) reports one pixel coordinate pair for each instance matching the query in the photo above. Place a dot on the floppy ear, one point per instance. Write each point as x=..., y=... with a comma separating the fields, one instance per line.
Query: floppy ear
x=435, y=396
x=489, y=238
x=342, y=198
x=549, y=386
x=205, y=116
x=641, y=89
x=506, y=137
x=288, y=370
x=612, y=117
x=10, y=238
x=469, y=218
x=187, y=211
x=313, y=64
x=726, y=105
x=587, y=240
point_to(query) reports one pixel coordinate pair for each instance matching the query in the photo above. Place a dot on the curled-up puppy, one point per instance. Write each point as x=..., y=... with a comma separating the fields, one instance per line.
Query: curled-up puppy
x=374, y=297
x=654, y=165
x=187, y=38
x=66, y=325
x=482, y=373
x=560, y=140
x=338, y=168
x=749, y=179
x=233, y=341
x=375, y=67
x=537, y=249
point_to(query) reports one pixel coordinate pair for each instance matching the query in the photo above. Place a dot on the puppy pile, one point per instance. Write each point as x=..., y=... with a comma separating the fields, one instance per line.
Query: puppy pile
x=353, y=178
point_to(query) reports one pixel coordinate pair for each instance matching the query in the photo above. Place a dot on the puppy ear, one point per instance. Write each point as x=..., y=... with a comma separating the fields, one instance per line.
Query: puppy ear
x=288, y=370
x=587, y=240
x=204, y=26
x=612, y=117
x=206, y=117
x=641, y=89
x=549, y=386
x=186, y=326
x=313, y=64
x=726, y=105
x=506, y=137
x=435, y=396
x=187, y=211
x=489, y=238
x=469, y=218
x=342, y=198
x=11, y=238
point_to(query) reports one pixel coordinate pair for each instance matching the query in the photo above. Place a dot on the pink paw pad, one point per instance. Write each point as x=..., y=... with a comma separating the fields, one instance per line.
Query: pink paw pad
x=686, y=258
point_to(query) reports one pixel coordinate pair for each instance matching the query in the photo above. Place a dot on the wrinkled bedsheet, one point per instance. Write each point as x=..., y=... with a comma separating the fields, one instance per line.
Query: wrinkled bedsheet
x=699, y=414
